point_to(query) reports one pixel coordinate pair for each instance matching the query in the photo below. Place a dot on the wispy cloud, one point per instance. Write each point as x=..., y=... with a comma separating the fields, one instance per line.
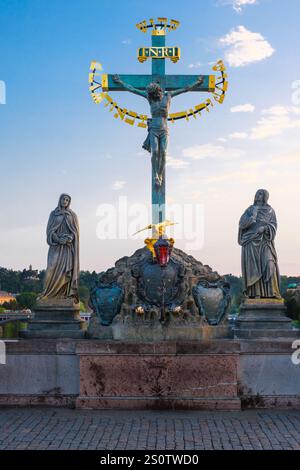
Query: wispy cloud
x=248, y=173
x=238, y=5
x=118, y=185
x=291, y=158
x=199, y=152
x=238, y=135
x=196, y=65
x=243, y=108
x=258, y=170
x=240, y=176
x=177, y=163
x=275, y=121
x=127, y=41
x=244, y=47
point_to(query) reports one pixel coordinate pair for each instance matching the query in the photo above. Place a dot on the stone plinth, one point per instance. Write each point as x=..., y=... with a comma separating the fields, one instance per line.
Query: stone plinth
x=175, y=329
x=263, y=318
x=55, y=318
x=173, y=375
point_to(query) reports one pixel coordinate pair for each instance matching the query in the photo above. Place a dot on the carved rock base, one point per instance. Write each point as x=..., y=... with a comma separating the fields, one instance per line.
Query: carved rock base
x=138, y=300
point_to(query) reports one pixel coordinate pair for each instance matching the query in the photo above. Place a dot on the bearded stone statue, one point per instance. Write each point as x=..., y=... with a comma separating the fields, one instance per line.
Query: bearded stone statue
x=257, y=232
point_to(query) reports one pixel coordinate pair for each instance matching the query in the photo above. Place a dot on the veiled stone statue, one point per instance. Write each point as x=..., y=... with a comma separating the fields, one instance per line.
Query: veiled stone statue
x=257, y=231
x=62, y=274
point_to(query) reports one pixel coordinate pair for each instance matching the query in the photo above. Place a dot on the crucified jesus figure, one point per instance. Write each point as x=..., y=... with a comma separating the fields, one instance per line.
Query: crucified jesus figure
x=157, y=139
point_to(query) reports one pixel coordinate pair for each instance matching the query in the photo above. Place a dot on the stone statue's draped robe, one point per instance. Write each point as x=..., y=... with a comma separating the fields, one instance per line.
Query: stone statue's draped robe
x=62, y=274
x=259, y=259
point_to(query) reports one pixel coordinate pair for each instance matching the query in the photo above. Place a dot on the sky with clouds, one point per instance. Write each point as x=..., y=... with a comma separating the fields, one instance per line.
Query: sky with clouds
x=54, y=139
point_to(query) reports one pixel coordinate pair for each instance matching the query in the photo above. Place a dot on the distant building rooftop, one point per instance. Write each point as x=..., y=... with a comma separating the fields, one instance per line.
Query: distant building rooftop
x=30, y=274
x=294, y=285
x=6, y=297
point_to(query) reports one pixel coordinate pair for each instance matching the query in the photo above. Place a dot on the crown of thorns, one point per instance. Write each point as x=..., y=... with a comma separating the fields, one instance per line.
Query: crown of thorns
x=153, y=87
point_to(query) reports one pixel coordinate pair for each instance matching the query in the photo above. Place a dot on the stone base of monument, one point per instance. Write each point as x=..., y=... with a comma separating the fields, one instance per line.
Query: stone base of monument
x=167, y=375
x=264, y=318
x=55, y=319
x=135, y=329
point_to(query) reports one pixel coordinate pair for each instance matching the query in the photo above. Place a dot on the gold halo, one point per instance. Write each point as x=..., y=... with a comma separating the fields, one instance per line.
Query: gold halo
x=130, y=117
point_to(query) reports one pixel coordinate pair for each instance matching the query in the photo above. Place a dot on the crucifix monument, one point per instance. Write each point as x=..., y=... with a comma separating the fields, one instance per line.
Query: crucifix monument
x=159, y=284
x=158, y=88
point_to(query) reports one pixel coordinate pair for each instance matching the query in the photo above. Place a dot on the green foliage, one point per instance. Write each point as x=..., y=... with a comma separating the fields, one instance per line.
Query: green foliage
x=236, y=291
x=84, y=295
x=15, y=281
x=293, y=309
x=10, y=280
x=26, y=300
x=86, y=282
x=87, y=278
x=12, y=305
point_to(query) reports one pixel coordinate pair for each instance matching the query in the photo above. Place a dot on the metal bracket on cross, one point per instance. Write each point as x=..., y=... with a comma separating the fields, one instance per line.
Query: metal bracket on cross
x=101, y=83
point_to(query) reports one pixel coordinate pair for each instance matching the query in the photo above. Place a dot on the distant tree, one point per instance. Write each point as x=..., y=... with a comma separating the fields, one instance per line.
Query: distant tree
x=32, y=286
x=26, y=300
x=84, y=295
x=236, y=291
x=12, y=305
x=293, y=309
x=87, y=278
x=10, y=280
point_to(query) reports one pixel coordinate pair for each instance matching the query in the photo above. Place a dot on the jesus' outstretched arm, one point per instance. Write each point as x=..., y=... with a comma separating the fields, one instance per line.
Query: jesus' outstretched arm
x=128, y=87
x=188, y=88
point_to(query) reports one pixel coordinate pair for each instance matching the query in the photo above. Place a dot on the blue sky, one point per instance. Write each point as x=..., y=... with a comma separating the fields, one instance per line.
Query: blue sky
x=54, y=139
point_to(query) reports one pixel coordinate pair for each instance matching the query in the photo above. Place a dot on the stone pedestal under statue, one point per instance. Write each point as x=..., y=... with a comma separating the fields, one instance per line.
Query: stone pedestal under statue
x=264, y=318
x=55, y=318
